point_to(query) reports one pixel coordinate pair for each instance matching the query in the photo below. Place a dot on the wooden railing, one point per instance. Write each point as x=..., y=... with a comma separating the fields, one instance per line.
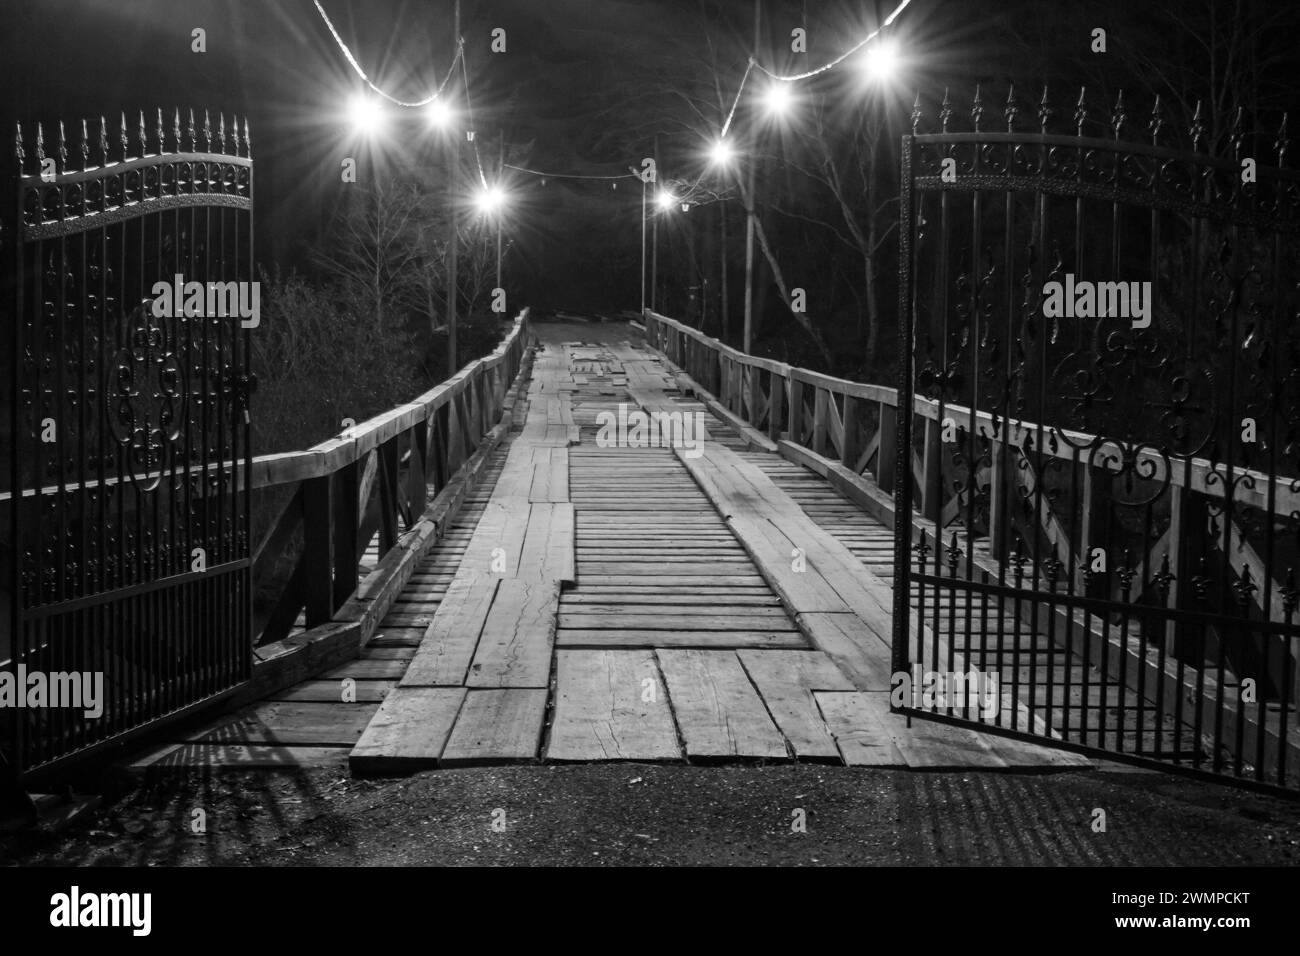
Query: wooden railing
x=375, y=477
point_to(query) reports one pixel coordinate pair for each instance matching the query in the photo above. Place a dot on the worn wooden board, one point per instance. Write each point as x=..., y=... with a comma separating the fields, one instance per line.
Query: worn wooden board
x=497, y=725
x=546, y=552
x=518, y=635
x=600, y=713
x=859, y=652
x=292, y=723
x=862, y=739
x=719, y=712
x=786, y=680
x=332, y=691
x=715, y=640
x=502, y=526
x=444, y=656
x=240, y=756
x=550, y=482
x=409, y=730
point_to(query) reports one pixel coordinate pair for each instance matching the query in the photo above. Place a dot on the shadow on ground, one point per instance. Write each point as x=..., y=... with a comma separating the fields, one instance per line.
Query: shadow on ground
x=639, y=814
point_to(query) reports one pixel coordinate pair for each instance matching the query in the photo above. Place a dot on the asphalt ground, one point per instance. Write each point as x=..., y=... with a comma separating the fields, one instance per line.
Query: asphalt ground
x=629, y=814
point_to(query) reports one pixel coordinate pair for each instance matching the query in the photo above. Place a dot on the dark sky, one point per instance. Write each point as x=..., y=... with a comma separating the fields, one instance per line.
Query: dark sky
x=276, y=62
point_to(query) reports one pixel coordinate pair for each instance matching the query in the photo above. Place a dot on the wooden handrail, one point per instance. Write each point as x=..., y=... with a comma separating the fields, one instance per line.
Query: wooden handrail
x=1251, y=486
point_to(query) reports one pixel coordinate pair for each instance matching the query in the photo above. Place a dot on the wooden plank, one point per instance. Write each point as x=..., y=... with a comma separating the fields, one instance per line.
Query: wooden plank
x=409, y=730
x=518, y=635
x=291, y=724
x=503, y=525
x=719, y=712
x=931, y=744
x=244, y=756
x=861, y=653
x=497, y=725
x=862, y=739
x=332, y=691
x=444, y=655
x=601, y=712
x=717, y=640
x=786, y=680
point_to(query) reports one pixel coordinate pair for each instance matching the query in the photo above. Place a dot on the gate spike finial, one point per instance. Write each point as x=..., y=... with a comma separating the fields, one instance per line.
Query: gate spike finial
x=1081, y=110
x=945, y=111
x=1281, y=143
x=1012, y=109
x=40, y=144
x=916, y=111
x=158, y=130
x=121, y=134
x=1157, y=121
x=143, y=134
x=176, y=129
x=207, y=132
x=103, y=140
x=977, y=109
x=63, y=149
x=1237, y=134
x=1044, y=110
x=248, y=142
x=1197, y=128
x=1119, y=115
x=85, y=145
x=19, y=155
x=221, y=131
x=189, y=131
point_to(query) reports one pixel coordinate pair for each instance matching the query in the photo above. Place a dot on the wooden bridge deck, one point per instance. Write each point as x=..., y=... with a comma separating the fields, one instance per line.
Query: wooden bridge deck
x=622, y=603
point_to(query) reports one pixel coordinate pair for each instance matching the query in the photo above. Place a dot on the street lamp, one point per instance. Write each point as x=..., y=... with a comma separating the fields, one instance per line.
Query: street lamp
x=491, y=201
x=881, y=61
x=665, y=201
x=721, y=153
x=365, y=114
x=777, y=99
x=439, y=113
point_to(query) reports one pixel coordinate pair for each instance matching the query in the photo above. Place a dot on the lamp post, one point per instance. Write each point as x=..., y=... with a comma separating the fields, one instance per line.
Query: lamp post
x=664, y=202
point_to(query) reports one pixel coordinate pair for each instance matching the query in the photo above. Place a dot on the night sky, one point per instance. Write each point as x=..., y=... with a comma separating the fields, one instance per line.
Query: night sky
x=584, y=87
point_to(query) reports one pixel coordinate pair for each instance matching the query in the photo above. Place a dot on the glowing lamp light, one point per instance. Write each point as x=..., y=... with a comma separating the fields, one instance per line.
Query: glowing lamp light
x=665, y=200
x=721, y=154
x=686, y=207
x=491, y=199
x=778, y=98
x=881, y=60
x=438, y=113
x=365, y=114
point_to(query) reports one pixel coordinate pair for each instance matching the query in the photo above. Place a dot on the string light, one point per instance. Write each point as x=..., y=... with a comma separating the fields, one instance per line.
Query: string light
x=843, y=56
x=352, y=60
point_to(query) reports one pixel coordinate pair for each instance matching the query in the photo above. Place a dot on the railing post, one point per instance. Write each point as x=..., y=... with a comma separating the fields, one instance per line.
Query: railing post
x=887, y=448
x=931, y=490
x=852, y=442
x=820, y=397
x=347, y=524
x=775, y=404
x=796, y=409
x=318, y=573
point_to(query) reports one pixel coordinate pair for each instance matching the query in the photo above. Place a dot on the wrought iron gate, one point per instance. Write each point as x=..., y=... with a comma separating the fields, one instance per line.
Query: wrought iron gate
x=128, y=431
x=1105, y=504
